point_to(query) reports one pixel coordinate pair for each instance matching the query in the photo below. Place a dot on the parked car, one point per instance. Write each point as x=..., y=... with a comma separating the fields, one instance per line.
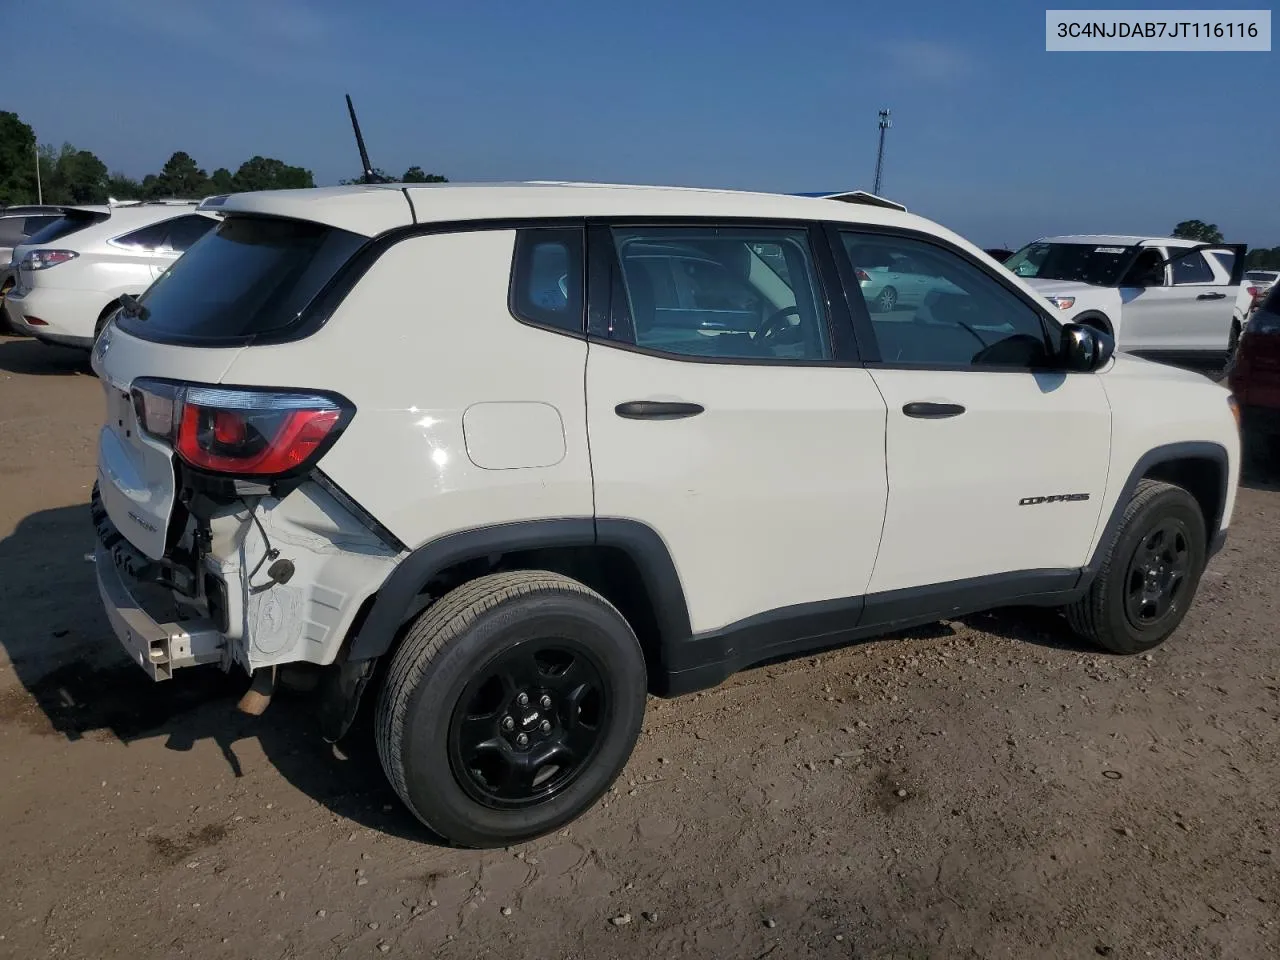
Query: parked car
x=891, y=280
x=444, y=445
x=1264, y=280
x=72, y=274
x=1247, y=297
x=1254, y=374
x=1161, y=298
x=16, y=224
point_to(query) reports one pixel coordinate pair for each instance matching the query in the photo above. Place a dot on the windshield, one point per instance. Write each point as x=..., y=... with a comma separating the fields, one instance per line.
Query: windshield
x=1092, y=263
x=253, y=275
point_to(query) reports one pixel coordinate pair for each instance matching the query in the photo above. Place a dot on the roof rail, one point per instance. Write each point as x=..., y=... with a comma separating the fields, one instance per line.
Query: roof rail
x=857, y=196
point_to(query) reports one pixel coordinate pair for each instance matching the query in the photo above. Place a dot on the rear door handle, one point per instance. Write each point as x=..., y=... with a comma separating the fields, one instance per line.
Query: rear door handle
x=922, y=410
x=1212, y=296
x=657, y=410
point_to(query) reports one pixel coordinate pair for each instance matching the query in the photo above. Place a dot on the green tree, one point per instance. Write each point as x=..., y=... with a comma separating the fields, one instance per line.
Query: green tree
x=17, y=160
x=180, y=178
x=70, y=175
x=82, y=175
x=1199, y=231
x=221, y=181
x=267, y=173
x=122, y=187
x=415, y=174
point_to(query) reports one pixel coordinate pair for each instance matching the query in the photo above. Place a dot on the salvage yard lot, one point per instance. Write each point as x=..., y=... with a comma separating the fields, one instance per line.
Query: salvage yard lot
x=979, y=788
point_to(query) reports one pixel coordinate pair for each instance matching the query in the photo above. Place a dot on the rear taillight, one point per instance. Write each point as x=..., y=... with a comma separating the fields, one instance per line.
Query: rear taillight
x=862, y=275
x=240, y=432
x=1253, y=292
x=44, y=259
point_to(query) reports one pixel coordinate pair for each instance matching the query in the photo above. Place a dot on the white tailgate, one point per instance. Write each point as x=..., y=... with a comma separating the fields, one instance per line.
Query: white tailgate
x=135, y=476
x=136, y=479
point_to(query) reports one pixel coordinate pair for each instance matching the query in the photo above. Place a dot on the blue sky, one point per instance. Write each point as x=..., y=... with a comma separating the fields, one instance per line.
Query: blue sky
x=992, y=136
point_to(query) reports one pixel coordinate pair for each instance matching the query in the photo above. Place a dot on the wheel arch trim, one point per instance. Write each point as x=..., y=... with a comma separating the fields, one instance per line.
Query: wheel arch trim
x=396, y=598
x=1169, y=453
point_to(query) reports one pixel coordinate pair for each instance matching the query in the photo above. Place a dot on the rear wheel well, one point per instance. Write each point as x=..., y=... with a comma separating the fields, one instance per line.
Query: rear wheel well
x=1202, y=478
x=109, y=309
x=609, y=571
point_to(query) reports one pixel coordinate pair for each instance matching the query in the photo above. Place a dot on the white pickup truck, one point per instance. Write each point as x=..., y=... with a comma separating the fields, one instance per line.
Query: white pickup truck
x=1160, y=297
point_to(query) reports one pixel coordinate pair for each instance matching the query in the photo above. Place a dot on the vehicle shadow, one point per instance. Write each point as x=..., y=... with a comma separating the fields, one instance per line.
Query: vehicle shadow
x=1040, y=626
x=77, y=684
x=29, y=356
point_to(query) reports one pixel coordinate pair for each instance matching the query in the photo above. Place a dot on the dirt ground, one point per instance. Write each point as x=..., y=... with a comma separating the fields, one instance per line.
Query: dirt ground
x=986, y=788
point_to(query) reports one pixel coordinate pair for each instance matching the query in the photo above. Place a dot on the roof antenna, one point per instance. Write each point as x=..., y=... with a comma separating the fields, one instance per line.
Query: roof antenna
x=368, y=176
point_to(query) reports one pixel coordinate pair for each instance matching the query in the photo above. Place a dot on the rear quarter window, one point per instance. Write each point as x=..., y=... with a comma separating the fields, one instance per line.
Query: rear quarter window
x=65, y=226
x=253, y=276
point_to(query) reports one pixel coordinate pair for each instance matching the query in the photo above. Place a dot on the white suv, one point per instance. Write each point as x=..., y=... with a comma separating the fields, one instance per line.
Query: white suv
x=1159, y=297
x=73, y=273
x=509, y=457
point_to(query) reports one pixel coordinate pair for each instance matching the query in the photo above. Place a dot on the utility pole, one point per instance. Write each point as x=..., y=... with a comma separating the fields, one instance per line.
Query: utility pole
x=885, y=124
x=35, y=147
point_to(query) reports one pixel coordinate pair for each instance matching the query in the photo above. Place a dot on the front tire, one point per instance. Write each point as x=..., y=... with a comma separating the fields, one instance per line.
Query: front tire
x=1149, y=577
x=887, y=302
x=511, y=705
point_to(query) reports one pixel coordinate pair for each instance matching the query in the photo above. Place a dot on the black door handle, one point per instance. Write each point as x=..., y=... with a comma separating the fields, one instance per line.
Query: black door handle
x=1212, y=296
x=657, y=410
x=932, y=411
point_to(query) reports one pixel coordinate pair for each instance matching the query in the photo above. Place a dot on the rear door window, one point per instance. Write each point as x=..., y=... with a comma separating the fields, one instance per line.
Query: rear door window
x=253, y=276
x=1191, y=268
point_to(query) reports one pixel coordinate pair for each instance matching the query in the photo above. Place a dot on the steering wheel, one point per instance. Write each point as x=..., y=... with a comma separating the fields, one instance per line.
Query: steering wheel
x=766, y=329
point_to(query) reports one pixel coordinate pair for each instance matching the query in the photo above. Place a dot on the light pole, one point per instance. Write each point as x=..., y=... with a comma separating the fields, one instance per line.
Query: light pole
x=885, y=124
x=39, y=189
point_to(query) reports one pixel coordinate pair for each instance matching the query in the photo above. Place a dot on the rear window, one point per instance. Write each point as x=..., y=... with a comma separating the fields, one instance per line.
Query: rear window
x=252, y=276
x=72, y=222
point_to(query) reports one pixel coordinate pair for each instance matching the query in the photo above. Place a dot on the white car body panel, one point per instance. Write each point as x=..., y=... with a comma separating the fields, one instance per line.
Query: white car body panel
x=774, y=496
x=955, y=484
x=412, y=401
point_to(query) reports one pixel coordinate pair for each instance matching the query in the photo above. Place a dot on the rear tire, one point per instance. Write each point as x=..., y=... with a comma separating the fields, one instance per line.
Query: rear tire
x=1149, y=576
x=511, y=705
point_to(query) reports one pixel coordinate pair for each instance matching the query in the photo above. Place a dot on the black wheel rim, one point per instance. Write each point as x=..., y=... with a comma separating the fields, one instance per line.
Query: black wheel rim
x=529, y=723
x=1157, y=574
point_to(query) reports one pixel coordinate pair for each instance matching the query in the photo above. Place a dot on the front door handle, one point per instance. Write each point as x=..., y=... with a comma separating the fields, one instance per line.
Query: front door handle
x=657, y=410
x=922, y=410
x=1212, y=296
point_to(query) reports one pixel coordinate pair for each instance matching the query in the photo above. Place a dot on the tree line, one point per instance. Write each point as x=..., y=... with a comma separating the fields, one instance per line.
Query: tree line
x=70, y=175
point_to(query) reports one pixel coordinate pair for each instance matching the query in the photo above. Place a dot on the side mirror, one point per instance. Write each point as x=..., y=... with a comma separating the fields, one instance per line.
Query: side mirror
x=1085, y=348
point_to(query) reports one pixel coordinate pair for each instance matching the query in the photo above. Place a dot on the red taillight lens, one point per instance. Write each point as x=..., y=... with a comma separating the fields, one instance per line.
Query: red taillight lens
x=44, y=259
x=259, y=433
x=1253, y=292
x=862, y=275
